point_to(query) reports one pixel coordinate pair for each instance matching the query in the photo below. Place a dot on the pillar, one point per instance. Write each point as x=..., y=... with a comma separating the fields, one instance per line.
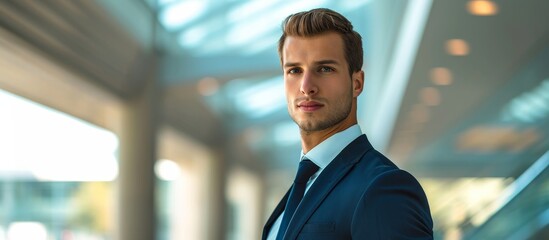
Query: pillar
x=136, y=216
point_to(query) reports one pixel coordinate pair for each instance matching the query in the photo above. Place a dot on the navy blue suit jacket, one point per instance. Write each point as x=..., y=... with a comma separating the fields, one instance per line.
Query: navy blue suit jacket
x=360, y=195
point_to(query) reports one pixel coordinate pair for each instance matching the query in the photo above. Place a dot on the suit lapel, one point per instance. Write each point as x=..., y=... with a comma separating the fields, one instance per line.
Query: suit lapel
x=325, y=182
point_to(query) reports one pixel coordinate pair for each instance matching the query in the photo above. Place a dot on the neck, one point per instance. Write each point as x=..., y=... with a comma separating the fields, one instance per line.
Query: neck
x=310, y=139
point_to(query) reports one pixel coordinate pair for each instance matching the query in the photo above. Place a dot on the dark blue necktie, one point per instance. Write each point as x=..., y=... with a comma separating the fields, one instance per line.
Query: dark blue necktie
x=305, y=171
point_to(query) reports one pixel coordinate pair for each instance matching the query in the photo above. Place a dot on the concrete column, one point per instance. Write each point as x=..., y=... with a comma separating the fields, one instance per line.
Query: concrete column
x=136, y=219
x=217, y=182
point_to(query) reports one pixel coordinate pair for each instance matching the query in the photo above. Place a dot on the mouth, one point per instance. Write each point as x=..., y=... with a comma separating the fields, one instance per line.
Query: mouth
x=309, y=106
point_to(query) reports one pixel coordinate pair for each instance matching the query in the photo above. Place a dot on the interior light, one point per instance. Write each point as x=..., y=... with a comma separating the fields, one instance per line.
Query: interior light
x=240, y=34
x=441, y=76
x=167, y=170
x=430, y=96
x=177, y=15
x=457, y=47
x=497, y=138
x=482, y=7
x=193, y=36
x=250, y=8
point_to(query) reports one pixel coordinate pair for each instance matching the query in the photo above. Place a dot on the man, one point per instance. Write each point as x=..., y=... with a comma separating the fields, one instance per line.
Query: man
x=354, y=192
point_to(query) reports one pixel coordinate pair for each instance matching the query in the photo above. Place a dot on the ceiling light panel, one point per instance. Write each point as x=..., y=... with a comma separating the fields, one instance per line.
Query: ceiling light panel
x=441, y=76
x=457, y=47
x=179, y=14
x=482, y=7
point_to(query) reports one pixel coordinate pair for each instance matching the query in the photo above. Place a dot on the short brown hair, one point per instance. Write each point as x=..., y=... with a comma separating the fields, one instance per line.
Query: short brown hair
x=322, y=20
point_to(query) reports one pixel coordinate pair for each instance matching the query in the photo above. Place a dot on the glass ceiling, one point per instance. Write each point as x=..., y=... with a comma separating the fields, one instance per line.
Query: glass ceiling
x=205, y=27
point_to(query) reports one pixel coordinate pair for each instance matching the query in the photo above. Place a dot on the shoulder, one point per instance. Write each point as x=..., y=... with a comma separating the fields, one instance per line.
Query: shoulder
x=395, y=203
x=389, y=176
x=388, y=184
x=392, y=201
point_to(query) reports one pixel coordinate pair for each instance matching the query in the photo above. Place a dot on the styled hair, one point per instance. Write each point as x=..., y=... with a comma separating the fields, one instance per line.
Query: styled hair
x=322, y=20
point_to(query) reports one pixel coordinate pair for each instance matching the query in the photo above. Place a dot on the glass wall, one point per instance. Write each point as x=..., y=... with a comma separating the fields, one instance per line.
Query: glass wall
x=56, y=174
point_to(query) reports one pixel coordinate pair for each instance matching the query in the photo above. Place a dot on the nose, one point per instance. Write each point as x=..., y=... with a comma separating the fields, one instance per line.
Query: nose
x=308, y=86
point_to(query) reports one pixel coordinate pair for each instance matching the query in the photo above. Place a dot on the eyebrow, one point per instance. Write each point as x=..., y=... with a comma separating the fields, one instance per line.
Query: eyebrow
x=321, y=62
x=329, y=61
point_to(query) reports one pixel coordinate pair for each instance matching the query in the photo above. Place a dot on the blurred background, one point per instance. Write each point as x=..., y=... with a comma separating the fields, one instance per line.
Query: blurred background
x=166, y=119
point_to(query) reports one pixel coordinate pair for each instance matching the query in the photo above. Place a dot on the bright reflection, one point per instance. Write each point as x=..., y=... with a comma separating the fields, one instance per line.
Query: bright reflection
x=454, y=202
x=351, y=5
x=246, y=32
x=529, y=107
x=513, y=190
x=246, y=27
x=27, y=230
x=407, y=45
x=250, y=9
x=166, y=2
x=263, y=98
x=167, y=170
x=181, y=13
x=51, y=146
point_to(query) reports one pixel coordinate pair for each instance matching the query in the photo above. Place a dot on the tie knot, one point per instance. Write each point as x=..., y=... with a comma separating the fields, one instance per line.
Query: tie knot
x=306, y=169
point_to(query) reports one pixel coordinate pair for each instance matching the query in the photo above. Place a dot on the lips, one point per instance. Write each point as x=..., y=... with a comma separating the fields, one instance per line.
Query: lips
x=309, y=106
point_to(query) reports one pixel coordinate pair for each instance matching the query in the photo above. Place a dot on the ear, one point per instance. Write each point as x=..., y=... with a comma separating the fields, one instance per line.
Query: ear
x=358, y=83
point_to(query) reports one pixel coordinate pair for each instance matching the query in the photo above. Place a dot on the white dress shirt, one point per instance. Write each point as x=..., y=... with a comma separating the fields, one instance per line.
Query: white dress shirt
x=322, y=155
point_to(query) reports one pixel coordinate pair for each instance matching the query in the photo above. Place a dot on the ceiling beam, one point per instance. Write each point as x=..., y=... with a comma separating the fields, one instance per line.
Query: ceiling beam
x=177, y=69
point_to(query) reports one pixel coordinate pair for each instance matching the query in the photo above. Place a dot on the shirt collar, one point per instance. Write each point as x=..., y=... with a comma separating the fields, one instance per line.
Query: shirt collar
x=323, y=153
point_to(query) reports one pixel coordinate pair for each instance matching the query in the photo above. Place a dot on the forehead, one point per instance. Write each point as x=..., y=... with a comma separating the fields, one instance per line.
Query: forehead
x=319, y=47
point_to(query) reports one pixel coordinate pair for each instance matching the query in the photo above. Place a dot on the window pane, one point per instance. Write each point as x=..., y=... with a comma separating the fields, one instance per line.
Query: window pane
x=56, y=174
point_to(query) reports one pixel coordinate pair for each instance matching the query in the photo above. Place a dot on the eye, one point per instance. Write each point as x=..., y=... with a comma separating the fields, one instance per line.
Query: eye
x=294, y=70
x=326, y=69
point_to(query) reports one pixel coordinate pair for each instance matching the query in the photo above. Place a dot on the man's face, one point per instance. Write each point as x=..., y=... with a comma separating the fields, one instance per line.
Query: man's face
x=319, y=88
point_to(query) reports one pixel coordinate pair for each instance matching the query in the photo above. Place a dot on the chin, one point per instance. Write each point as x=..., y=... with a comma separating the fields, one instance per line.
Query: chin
x=308, y=126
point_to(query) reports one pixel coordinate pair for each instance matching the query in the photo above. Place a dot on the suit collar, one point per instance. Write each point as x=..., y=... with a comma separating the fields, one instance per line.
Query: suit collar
x=326, y=151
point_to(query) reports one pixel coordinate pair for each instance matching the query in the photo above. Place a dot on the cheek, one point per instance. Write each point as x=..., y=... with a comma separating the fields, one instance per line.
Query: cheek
x=287, y=92
x=289, y=88
x=339, y=89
